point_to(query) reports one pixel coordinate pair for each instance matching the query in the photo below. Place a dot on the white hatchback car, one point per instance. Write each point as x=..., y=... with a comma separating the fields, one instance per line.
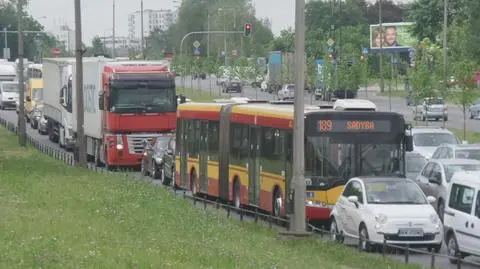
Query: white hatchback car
x=394, y=209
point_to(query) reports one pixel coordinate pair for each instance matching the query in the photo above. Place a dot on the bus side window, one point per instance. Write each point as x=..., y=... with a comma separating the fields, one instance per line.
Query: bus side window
x=239, y=144
x=213, y=140
x=272, y=151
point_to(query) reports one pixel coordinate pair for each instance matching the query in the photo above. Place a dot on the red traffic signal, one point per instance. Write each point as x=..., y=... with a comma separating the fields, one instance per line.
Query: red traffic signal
x=330, y=56
x=247, y=29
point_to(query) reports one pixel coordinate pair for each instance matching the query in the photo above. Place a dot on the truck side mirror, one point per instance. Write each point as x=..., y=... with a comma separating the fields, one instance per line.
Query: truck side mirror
x=101, y=101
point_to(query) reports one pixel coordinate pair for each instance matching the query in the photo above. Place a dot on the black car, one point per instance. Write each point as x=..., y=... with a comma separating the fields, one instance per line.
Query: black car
x=169, y=164
x=153, y=153
x=232, y=86
x=200, y=75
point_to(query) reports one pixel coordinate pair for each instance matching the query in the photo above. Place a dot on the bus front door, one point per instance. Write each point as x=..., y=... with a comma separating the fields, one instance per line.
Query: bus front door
x=203, y=157
x=186, y=124
x=254, y=167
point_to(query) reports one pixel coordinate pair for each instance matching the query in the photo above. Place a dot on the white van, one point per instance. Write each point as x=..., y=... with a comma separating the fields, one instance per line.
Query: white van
x=462, y=216
x=8, y=94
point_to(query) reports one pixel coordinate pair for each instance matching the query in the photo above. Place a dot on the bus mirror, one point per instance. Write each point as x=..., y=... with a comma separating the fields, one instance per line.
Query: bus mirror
x=101, y=100
x=409, y=143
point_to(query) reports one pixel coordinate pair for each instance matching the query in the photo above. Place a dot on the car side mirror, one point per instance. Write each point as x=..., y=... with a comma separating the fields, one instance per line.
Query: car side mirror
x=101, y=101
x=431, y=199
x=353, y=199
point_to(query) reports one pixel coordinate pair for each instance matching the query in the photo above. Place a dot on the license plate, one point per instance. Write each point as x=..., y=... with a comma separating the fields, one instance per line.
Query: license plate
x=410, y=232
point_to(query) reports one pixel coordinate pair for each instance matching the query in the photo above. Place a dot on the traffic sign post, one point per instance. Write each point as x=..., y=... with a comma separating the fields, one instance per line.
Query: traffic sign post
x=330, y=42
x=196, y=44
x=364, y=51
x=196, y=51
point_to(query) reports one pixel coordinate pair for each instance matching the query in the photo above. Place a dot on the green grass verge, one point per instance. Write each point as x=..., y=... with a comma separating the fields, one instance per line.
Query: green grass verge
x=394, y=93
x=54, y=216
x=199, y=95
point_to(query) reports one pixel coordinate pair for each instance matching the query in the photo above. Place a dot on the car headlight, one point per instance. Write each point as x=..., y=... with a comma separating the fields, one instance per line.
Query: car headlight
x=381, y=218
x=434, y=218
x=158, y=160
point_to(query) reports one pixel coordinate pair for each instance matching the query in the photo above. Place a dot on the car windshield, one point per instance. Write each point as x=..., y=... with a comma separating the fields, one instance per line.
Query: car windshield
x=468, y=154
x=162, y=143
x=394, y=192
x=10, y=87
x=433, y=139
x=435, y=101
x=414, y=164
x=291, y=87
x=453, y=168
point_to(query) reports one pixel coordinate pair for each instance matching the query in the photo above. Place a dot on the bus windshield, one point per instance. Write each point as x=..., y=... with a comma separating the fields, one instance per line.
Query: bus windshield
x=330, y=161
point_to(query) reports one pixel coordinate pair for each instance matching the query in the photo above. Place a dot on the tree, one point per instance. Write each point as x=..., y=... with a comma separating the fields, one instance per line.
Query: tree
x=285, y=42
x=157, y=44
x=98, y=48
x=464, y=74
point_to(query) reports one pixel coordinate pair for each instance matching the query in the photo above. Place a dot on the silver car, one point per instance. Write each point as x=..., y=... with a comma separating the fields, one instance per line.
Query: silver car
x=427, y=139
x=287, y=92
x=457, y=151
x=475, y=110
x=435, y=177
x=431, y=108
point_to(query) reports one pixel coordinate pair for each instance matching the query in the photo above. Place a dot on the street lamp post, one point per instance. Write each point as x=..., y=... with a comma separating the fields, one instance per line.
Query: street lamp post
x=225, y=30
x=22, y=136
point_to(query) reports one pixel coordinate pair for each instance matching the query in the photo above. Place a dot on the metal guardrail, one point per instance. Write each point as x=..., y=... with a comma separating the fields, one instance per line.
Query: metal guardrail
x=257, y=215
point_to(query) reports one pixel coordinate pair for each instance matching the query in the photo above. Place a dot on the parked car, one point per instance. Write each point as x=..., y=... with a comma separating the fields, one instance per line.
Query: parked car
x=462, y=216
x=431, y=108
x=474, y=110
x=199, y=75
x=435, y=177
x=233, y=85
x=457, y=151
x=391, y=209
x=287, y=92
x=152, y=158
x=426, y=140
x=414, y=162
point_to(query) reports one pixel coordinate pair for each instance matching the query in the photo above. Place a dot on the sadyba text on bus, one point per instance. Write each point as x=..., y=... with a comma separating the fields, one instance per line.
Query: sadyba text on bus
x=242, y=153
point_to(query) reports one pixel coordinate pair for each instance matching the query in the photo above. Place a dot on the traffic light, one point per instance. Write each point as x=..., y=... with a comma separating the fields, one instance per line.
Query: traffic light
x=330, y=56
x=247, y=29
x=362, y=58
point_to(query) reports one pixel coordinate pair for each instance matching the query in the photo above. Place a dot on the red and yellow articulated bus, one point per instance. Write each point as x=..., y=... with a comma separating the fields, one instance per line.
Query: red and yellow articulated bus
x=242, y=153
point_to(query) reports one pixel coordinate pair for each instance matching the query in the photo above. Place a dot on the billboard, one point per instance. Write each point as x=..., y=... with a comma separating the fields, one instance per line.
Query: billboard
x=392, y=36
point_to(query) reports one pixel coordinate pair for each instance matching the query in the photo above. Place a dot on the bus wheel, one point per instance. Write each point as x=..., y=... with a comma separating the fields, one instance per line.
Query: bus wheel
x=277, y=203
x=193, y=183
x=236, y=194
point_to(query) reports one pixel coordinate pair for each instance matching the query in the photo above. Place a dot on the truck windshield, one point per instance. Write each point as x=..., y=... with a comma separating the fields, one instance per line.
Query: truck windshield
x=10, y=87
x=135, y=100
x=330, y=162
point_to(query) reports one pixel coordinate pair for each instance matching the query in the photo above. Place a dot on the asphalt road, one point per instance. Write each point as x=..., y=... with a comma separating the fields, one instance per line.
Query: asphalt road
x=455, y=114
x=424, y=260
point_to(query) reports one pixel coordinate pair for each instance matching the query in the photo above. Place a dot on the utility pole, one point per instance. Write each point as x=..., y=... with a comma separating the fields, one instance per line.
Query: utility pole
x=225, y=59
x=141, y=29
x=80, y=147
x=445, y=44
x=113, y=32
x=22, y=137
x=297, y=220
x=208, y=36
x=380, y=23
x=5, y=55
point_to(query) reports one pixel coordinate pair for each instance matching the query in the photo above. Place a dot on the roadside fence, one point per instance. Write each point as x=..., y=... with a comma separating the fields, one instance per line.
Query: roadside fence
x=244, y=214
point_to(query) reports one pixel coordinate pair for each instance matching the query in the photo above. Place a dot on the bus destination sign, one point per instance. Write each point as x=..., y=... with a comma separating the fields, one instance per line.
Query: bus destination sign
x=360, y=126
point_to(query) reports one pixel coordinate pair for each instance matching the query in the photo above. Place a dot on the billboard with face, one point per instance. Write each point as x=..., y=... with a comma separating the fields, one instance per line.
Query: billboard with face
x=392, y=36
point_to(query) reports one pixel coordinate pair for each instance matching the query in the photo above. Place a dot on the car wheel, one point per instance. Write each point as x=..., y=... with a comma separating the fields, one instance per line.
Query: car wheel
x=172, y=180
x=277, y=203
x=155, y=172
x=435, y=248
x=236, y=195
x=335, y=235
x=365, y=244
x=452, y=249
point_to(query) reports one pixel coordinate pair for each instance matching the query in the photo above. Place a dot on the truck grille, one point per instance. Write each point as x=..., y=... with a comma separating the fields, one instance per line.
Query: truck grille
x=135, y=143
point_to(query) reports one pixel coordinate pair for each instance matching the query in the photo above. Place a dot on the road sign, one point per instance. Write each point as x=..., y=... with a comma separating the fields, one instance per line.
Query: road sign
x=55, y=51
x=330, y=49
x=196, y=44
x=364, y=51
x=196, y=51
x=330, y=42
x=319, y=63
x=234, y=52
